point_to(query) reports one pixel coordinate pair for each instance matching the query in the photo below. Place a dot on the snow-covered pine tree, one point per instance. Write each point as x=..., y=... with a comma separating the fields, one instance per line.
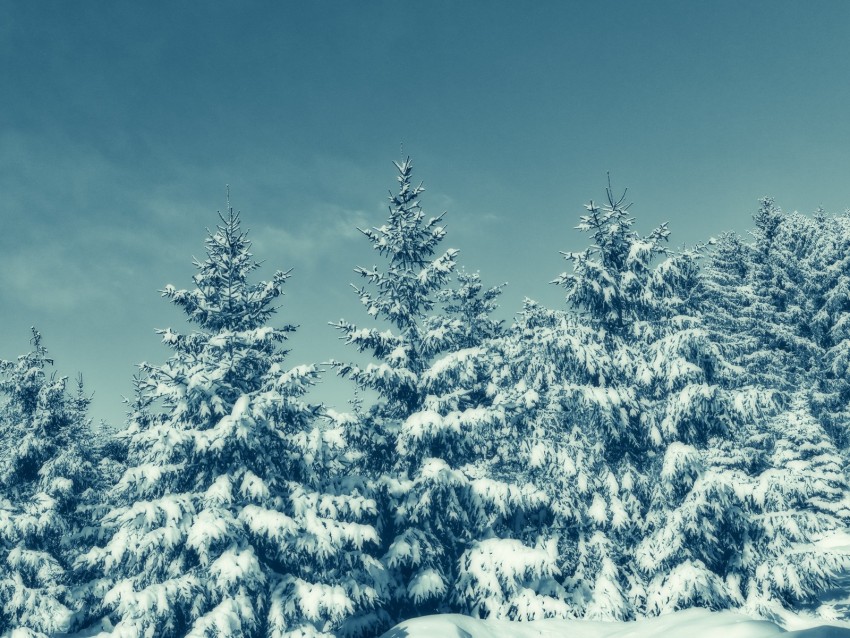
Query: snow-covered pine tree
x=112, y=448
x=777, y=306
x=680, y=525
x=45, y=475
x=768, y=298
x=403, y=297
x=782, y=309
x=426, y=438
x=698, y=525
x=509, y=568
x=610, y=289
x=610, y=279
x=468, y=311
x=225, y=522
x=726, y=297
x=565, y=381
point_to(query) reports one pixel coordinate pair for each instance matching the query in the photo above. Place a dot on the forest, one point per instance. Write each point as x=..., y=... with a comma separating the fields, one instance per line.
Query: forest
x=675, y=435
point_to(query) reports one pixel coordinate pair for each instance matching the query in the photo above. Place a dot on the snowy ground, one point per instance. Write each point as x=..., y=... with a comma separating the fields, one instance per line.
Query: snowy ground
x=839, y=598
x=692, y=623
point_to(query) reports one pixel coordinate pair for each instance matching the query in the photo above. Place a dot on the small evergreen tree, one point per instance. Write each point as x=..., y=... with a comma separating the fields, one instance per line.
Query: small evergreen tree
x=468, y=311
x=45, y=476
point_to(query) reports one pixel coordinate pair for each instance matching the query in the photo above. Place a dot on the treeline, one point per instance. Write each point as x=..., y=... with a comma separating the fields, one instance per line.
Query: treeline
x=676, y=435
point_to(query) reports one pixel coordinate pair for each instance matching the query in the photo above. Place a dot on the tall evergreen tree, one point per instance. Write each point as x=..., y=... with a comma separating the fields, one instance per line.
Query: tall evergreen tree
x=574, y=435
x=226, y=522
x=777, y=306
x=431, y=428
x=610, y=289
x=781, y=313
x=678, y=398
x=828, y=285
x=696, y=402
x=45, y=476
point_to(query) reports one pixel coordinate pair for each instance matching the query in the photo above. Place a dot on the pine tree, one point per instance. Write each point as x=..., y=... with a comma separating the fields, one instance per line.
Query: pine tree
x=468, y=311
x=426, y=439
x=572, y=437
x=726, y=302
x=681, y=524
x=779, y=306
x=768, y=297
x=829, y=288
x=227, y=522
x=611, y=289
x=44, y=479
x=776, y=304
x=781, y=312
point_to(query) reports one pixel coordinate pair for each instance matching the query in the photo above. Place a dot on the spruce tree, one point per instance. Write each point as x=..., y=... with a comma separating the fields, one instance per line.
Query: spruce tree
x=779, y=303
x=775, y=306
x=45, y=478
x=677, y=398
x=426, y=439
x=828, y=286
x=696, y=402
x=610, y=290
x=227, y=521
x=468, y=311
x=782, y=310
x=572, y=436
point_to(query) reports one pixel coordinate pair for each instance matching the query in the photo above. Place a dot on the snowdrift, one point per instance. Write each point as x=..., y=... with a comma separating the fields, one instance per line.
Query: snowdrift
x=691, y=623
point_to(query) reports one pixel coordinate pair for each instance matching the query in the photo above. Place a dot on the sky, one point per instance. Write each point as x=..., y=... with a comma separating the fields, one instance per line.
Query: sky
x=121, y=123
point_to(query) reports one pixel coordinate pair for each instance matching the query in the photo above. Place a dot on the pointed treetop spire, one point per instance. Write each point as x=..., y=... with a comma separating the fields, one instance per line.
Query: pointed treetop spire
x=40, y=352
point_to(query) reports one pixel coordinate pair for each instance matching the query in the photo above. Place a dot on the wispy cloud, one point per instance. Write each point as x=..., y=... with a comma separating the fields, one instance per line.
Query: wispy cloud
x=47, y=278
x=325, y=228
x=80, y=225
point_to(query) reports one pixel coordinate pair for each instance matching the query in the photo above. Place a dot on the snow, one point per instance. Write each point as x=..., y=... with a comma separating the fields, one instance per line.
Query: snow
x=691, y=623
x=236, y=566
x=419, y=424
x=452, y=360
x=837, y=541
x=426, y=584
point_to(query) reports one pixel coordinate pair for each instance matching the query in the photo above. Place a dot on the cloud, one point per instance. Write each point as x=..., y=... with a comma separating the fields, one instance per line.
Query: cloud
x=47, y=278
x=84, y=225
x=322, y=231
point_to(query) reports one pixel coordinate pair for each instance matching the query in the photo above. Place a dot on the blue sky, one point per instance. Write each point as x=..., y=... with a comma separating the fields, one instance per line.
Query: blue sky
x=121, y=123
